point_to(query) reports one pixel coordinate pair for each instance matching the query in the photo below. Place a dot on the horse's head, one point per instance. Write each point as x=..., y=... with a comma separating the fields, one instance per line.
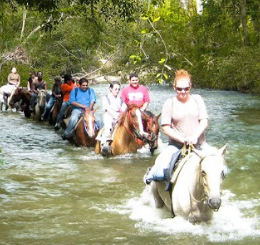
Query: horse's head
x=213, y=170
x=15, y=96
x=151, y=124
x=130, y=119
x=90, y=123
x=42, y=98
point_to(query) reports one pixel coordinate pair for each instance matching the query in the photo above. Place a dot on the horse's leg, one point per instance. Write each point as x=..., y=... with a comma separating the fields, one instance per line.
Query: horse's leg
x=157, y=198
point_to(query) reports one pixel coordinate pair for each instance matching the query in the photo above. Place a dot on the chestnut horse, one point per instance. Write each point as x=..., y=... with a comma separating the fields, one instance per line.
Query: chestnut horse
x=21, y=94
x=126, y=136
x=196, y=186
x=86, y=130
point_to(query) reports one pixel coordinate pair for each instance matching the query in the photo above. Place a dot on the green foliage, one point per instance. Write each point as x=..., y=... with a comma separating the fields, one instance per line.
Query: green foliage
x=152, y=37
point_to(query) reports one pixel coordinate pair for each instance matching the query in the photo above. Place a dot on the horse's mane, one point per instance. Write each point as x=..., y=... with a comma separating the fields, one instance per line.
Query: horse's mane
x=122, y=118
x=149, y=114
x=123, y=115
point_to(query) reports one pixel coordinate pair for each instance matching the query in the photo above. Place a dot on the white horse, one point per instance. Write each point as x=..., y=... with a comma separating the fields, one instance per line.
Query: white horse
x=196, y=186
x=5, y=98
x=40, y=105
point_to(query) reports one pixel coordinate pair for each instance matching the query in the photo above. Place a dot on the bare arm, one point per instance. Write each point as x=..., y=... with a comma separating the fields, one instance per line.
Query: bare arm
x=175, y=135
x=172, y=133
x=145, y=105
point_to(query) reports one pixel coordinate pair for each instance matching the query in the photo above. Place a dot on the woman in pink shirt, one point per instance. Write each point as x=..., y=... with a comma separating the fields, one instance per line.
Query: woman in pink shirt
x=184, y=120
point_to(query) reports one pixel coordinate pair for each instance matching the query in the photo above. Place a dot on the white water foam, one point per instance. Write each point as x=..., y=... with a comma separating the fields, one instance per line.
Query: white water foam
x=230, y=223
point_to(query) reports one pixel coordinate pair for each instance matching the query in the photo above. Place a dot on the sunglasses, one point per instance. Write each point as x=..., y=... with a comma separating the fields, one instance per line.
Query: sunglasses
x=182, y=89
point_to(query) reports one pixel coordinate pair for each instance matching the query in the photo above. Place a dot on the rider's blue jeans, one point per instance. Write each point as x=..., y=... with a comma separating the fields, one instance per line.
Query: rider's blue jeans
x=163, y=160
x=48, y=107
x=75, y=115
x=64, y=106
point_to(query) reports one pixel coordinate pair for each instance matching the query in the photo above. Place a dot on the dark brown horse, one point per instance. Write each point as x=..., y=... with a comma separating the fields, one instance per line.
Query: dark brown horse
x=86, y=130
x=151, y=126
x=55, y=111
x=126, y=137
x=22, y=94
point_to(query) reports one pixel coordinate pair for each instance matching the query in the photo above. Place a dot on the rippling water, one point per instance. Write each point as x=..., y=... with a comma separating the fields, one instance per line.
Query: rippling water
x=52, y=192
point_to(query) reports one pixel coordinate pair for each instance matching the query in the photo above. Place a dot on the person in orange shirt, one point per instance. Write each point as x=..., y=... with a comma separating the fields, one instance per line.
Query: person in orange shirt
x=66, y=88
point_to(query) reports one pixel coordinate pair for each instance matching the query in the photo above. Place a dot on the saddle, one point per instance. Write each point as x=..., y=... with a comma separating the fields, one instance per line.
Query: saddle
x=171, y=173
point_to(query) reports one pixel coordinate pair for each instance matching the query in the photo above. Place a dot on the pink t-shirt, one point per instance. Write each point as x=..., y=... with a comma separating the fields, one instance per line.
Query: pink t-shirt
x=137, y=96
x=184, y=117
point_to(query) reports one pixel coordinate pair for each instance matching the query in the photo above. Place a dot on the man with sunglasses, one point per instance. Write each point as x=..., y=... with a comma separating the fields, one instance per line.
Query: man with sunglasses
x=81, y=98
x=184, y=120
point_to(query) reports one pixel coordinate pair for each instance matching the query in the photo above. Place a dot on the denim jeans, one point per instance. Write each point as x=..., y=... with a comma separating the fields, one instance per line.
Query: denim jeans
x=64, y=106
x=163, y=160
x=48, y=107
x=75, y=115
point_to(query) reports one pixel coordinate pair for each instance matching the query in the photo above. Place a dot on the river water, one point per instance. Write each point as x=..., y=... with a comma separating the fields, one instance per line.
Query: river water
x=52, y=192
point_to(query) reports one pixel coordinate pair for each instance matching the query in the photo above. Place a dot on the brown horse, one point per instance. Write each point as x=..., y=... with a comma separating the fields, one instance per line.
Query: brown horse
x=151, y=126
x=55, y=111
x=86, y=130
x=21, y=94
x=126, y=136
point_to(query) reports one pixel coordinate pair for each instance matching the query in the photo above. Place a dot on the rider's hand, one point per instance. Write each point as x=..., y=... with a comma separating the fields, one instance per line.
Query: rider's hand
x=191, y=140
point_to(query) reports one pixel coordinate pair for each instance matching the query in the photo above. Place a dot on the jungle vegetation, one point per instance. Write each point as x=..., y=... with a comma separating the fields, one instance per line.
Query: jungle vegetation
x=219, y=45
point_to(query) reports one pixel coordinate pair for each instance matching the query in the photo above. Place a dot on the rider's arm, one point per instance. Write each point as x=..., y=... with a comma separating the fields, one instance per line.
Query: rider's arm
x=173, y=133
x=145, y=105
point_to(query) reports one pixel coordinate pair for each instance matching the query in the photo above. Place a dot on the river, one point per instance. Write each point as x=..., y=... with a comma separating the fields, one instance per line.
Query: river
x=52, y=192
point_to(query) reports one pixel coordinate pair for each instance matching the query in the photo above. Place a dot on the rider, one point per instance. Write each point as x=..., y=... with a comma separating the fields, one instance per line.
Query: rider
x=136, y=94
x=13, y=83
x=184, y=120
x=66, y=88
x=112, y=105
x=55, y=95
x=32, y=79
x=36, y=86
x=81, y=98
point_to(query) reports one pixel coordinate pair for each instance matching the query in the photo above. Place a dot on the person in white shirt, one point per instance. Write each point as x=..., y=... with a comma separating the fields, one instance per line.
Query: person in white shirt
x=112, y=105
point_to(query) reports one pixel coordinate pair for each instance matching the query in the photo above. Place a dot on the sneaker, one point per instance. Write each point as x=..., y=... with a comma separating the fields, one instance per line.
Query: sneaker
x=57, y=126
x=147, y=182
x=63, y=136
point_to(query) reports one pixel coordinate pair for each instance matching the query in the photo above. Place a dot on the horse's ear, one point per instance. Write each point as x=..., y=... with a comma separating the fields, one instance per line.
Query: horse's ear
x=157, y=117
x=223, y=150
x=95, y=110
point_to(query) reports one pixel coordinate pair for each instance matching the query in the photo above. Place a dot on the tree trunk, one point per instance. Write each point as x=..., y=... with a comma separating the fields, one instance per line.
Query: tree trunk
x=242, y=4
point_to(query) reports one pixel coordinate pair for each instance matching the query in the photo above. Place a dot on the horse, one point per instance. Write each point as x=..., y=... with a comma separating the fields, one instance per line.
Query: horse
x=126, y=136
x=6, y=100
x=40, y=105
x=55, y=111
x=151, y=126
x=196, y=186
x=21, y=94
x=86, y=130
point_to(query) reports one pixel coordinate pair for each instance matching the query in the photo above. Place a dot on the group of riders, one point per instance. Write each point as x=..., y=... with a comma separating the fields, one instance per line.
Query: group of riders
x=184, y=117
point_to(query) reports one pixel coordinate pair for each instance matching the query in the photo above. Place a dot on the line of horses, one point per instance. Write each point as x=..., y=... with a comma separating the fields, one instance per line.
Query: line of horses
x=195, y=190
x=126, y=138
